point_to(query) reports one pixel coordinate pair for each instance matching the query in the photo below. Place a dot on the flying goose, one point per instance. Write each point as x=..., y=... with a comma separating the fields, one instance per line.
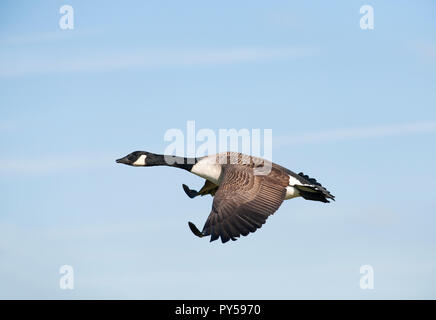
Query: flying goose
x=246, y=189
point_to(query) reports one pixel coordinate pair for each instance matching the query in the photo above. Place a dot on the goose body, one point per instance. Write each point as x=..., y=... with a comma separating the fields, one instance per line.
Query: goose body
x=208, y=169
x=246, y=189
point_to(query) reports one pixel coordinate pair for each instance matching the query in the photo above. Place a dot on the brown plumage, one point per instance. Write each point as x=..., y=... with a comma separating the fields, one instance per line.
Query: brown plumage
x=243, y=202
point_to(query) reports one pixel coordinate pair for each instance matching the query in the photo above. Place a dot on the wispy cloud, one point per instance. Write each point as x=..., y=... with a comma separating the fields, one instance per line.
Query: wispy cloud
x=45, y=37
x=5, y=126
x=356, y=133
x=427, y=51
x=19, y=66
x=52, y=163
x=56, y=163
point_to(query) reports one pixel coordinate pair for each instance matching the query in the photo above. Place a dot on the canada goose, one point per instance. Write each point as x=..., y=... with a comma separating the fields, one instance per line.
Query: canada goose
x=243, y=198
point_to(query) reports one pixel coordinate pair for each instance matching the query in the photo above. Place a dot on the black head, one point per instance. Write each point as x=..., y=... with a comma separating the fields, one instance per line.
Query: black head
x=138, y=159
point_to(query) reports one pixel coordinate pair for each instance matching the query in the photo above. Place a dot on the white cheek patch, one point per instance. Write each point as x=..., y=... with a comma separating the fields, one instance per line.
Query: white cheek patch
x=140, y=161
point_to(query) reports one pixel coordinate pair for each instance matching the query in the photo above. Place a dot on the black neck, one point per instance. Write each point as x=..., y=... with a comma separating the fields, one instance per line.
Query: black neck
x=172, y=161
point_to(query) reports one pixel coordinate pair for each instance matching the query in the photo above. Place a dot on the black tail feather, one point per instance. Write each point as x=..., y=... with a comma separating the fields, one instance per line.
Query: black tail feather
x=315, y=193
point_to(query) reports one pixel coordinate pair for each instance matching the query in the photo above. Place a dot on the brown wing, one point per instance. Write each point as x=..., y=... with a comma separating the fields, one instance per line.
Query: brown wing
x=244, y=201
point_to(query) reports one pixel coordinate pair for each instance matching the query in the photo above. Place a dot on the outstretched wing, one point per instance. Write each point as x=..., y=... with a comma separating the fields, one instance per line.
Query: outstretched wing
x=244, y=201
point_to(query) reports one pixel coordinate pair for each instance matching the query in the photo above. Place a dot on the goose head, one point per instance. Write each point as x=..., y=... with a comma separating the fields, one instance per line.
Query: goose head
x=139, y=159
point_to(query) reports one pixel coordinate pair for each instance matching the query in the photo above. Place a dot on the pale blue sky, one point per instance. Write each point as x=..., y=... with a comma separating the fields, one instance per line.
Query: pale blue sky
x=353, y=108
